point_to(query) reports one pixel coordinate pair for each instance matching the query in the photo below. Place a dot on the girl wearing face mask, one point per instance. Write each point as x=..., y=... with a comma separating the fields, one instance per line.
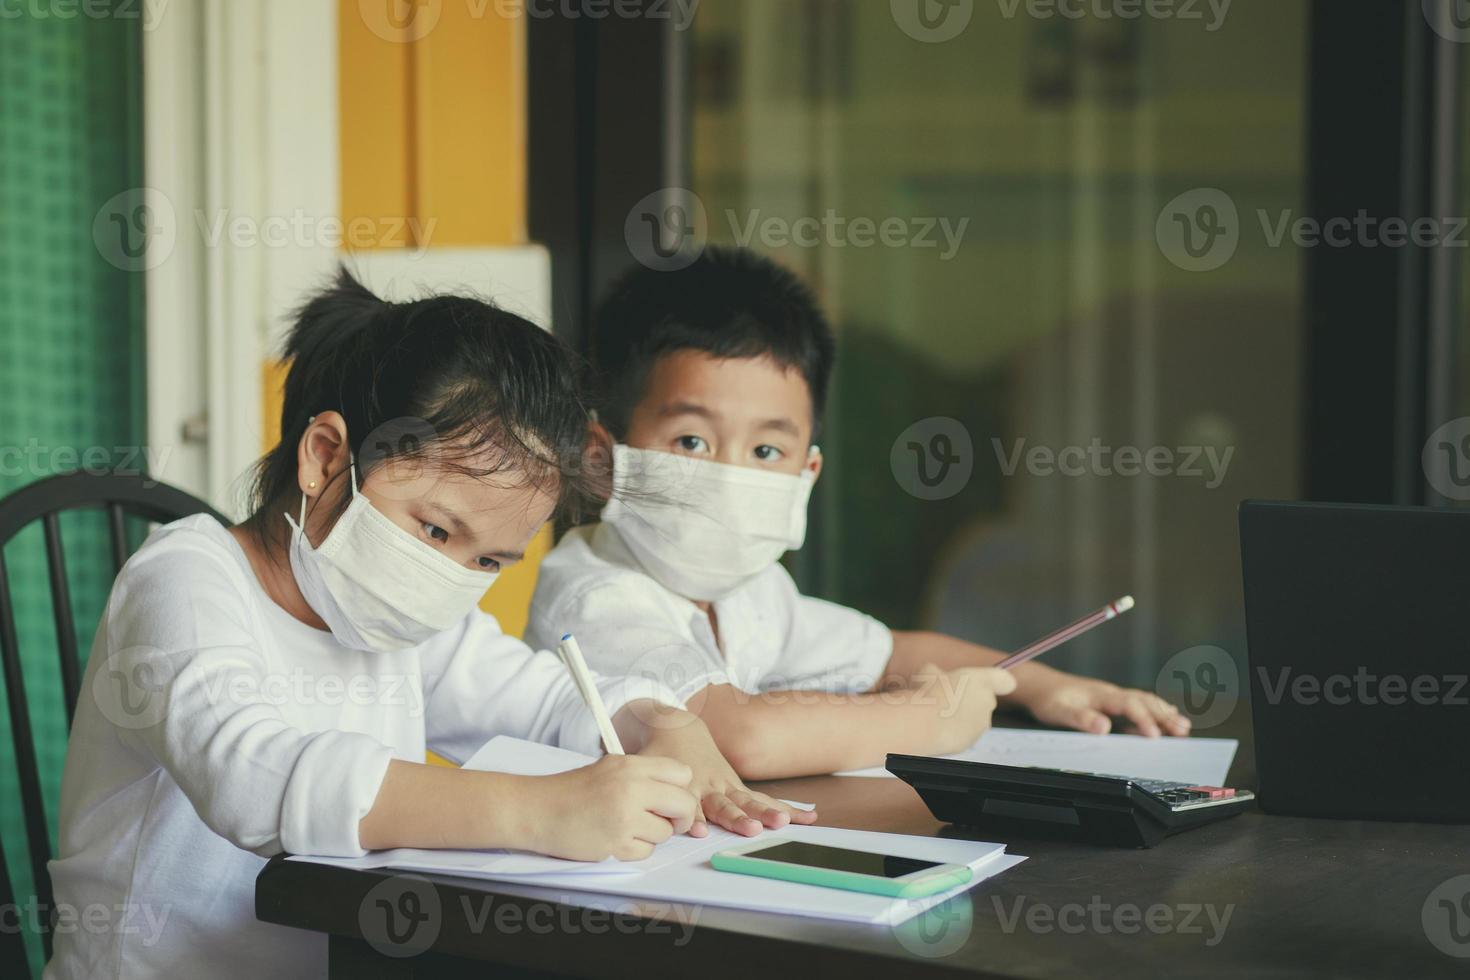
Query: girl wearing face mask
x=273, y=686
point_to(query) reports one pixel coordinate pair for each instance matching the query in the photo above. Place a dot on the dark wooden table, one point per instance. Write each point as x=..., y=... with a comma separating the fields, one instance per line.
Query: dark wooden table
x=1253, y=896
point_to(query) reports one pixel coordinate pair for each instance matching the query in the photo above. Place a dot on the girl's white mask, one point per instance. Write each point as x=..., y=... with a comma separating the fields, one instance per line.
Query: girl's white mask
x=378, y=587
x=701, y=528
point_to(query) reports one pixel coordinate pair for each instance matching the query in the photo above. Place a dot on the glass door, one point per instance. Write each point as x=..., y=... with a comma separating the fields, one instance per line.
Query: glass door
x=1069, y=332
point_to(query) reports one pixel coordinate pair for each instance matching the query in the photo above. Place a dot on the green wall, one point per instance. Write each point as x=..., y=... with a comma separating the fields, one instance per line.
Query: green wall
x=71, y=334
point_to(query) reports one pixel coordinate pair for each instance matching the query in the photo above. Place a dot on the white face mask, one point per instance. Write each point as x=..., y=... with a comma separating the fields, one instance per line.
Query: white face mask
x=378, y=587
x=703, y=529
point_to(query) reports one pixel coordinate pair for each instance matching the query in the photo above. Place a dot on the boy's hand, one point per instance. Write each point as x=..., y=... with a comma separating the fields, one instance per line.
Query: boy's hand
x=620, y=806
x=966, y=700
x=722, y=798
x=1089, y=705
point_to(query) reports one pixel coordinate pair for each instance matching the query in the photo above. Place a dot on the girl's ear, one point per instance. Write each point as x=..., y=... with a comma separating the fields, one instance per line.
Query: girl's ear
x=322, y=453
x=814, y=461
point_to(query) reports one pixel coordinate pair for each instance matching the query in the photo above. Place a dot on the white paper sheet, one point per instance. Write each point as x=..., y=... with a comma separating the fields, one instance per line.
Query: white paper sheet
x=679, y=869
x=513, y=755
x=695, y=882
x=1202, y=761
x=511, y=864
x=522, y=758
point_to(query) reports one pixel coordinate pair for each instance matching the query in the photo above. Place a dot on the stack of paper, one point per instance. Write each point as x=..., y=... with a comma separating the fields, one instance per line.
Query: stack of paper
x=679, y=869
x=1200, y=761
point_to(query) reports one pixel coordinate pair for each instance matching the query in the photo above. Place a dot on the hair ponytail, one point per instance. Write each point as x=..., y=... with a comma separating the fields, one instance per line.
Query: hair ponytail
x=452, y=378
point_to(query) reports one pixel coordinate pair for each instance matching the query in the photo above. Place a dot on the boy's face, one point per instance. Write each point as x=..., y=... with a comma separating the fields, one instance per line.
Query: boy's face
x=743, y=411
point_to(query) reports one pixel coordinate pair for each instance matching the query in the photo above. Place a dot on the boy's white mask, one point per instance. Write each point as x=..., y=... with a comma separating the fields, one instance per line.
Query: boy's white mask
x=377, y=587
x=702, y=528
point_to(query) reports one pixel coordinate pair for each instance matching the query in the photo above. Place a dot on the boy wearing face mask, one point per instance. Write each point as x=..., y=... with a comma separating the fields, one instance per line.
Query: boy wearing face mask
x=714, y=378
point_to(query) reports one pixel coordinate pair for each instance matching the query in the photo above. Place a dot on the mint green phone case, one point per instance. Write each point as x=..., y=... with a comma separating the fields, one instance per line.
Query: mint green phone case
x=845, y=880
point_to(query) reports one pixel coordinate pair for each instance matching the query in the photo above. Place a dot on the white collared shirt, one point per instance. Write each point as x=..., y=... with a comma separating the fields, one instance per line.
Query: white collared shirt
x=771, y=637
x=215, y=730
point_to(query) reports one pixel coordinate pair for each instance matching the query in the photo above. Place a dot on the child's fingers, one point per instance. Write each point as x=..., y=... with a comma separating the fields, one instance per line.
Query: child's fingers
x=1169, y=717
x=724, y=812
x=1086, y=719
x=632, y=850
x=675, y=805
x=700, y=826
x=762, y=808
x=652, y=828
x=775, y=810
x=1133, y=706
x=1000, y=682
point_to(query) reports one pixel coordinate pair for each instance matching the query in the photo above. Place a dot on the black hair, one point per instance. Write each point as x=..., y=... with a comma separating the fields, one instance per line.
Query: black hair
x=452, y=379
x=729, y=303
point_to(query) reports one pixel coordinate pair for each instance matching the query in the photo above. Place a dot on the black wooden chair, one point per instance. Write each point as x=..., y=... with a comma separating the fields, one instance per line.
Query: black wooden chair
x=121, y=496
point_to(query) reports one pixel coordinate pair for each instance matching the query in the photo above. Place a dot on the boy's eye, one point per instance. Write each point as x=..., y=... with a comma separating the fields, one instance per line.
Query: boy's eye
x=692, y=444
x=436, y=532
x=768, y=454
x=488, y=564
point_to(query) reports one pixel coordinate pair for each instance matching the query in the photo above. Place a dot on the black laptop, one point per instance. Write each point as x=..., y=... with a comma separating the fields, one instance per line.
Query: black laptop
x=1358, y=634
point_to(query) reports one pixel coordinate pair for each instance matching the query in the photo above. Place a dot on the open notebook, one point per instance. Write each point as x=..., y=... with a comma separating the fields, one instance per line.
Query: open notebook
x=1200, y=761
x=679, y=869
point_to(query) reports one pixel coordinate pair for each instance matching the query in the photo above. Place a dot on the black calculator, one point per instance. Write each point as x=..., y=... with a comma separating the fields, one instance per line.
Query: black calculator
x=1030, y=801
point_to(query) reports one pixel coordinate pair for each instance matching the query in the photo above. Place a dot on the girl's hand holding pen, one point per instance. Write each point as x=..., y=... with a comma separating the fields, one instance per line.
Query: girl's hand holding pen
x=621, y=806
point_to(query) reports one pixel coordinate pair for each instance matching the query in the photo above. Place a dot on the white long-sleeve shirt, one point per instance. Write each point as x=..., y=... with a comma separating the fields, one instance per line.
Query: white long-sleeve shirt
x=771, y=637
x=215, y=730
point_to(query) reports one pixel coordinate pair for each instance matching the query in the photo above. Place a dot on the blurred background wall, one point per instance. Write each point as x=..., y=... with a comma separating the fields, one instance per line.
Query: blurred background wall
x=174, y=175
x=1053, y=321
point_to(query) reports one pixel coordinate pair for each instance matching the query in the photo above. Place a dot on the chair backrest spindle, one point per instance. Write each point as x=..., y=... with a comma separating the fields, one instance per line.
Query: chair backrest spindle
x=121, y=496
x=117, y=530
x=38, y=839
x=66, y=631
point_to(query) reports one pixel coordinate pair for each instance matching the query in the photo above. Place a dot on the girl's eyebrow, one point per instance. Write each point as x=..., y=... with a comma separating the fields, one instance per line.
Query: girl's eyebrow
x=450, y=519
x=457, y=525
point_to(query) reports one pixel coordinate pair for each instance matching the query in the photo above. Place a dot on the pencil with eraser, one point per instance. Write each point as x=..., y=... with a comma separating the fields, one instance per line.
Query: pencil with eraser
x=1053, y=640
